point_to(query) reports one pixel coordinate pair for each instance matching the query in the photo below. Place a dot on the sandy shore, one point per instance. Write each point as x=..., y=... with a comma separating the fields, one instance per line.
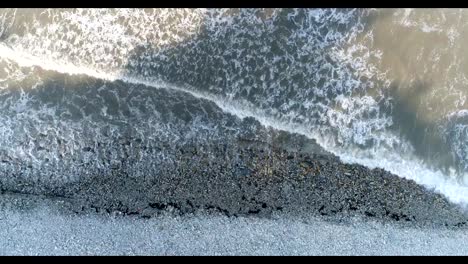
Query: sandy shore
x=231, y=197
x=43, y=227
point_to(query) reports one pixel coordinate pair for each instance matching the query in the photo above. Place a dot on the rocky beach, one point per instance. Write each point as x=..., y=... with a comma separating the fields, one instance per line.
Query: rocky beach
x=251, y=178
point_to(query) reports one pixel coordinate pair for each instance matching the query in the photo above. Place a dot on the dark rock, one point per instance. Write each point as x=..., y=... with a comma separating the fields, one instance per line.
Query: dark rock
x=239, y=178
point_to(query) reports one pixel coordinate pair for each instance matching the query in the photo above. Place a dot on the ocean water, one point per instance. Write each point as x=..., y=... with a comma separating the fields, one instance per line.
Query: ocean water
x=384, y=88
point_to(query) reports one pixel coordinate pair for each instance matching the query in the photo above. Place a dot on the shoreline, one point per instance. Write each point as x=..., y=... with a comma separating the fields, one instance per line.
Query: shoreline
x=233, y=165
x=242, y=178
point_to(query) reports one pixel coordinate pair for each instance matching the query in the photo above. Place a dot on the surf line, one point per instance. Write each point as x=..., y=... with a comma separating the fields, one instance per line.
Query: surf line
x=240, y=109
x=455, y=193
